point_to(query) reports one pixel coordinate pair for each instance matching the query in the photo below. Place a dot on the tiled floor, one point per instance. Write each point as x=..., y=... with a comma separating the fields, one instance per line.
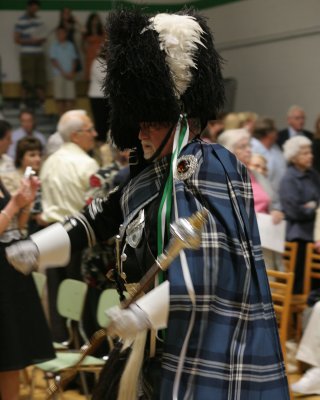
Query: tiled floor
x=40, y=392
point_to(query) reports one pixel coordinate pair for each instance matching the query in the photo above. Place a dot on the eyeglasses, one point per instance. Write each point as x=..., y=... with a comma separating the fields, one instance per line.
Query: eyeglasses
x=91, y=130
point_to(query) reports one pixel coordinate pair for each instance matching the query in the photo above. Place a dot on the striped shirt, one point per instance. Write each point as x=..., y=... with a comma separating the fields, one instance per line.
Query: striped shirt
x=30, y=27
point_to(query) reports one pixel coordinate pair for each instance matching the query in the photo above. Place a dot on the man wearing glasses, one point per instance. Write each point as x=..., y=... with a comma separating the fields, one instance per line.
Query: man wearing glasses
x=65, y=182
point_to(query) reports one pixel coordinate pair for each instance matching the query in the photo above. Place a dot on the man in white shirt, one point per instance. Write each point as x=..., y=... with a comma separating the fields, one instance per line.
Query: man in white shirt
x=65, y=181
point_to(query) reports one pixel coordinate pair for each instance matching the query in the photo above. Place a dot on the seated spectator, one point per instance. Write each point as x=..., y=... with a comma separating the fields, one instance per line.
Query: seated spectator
x=299, y=195
x=259, y=163
x=29, y=153
x=316, y=145
x=64, y=58
x=264, y=142
x=309, y=353
x=213, y=129
x=296, y=119
x=265, y=199
x=6, y=162
x=65, y=182
x=231, y=121
x=27, y=128
x=248, y=120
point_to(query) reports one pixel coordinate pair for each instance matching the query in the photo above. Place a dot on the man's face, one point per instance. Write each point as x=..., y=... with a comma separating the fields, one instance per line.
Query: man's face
x=85, y=136
x=33, y=9
x=296, y=119
x=27, y=122
x=5, y=143
x=151, y=137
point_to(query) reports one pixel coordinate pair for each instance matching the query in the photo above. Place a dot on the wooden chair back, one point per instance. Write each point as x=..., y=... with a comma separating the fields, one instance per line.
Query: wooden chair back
x=281, y=291
x=312, y=268
x=289, y=256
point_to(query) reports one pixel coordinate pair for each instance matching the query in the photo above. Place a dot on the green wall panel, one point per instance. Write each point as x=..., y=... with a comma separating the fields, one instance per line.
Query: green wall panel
x=104, y=5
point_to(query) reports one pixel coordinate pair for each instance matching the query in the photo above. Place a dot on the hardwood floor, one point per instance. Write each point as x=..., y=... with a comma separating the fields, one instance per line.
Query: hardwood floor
x=40, y=390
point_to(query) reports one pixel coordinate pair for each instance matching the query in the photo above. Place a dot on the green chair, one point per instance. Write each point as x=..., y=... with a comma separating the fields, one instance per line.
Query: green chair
x=70, y=304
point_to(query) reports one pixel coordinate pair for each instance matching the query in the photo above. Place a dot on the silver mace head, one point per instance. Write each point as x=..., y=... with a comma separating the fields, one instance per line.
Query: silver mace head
x=188, y=231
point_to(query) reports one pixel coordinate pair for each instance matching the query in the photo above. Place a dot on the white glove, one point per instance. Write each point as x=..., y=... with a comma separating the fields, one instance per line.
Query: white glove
x=127, y=323
x=24, y=256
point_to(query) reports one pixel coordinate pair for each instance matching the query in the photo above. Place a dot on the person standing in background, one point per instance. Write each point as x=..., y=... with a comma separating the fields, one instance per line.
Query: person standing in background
x=93, y=38
x=29, y=33
x=99, y=104
x=63, y=57
x=74, y=31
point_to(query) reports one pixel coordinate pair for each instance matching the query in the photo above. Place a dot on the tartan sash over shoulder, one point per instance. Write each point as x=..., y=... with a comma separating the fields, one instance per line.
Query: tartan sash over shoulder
x=233, y=350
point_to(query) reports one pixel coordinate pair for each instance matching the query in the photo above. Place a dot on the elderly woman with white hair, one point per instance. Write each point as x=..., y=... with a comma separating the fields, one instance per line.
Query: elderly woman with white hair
x=265, y=199
x=299, y=195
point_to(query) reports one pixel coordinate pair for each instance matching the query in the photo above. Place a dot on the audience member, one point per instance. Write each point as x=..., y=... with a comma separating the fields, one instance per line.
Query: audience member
x=6, y=162
x=296, y=119
x=30, y=34
x=299, y=195
x=29, y=153
x=98, y=102
x=27, y=129
x=64, y=194
x=63, y=57
x=213, y=129
x=247, y=120
x=264, y=143
x=74, y=32
x=265, y=198
x=24, y=335
x=93, y=38
x=309, y=353
x=316, y=145
x=259, y=163
x=231, y=121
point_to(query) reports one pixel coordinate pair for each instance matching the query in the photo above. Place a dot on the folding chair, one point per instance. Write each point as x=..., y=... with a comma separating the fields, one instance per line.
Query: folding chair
x=70, y=304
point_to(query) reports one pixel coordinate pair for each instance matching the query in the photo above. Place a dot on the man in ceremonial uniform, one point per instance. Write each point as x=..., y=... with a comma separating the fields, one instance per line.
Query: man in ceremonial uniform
x=221, y=342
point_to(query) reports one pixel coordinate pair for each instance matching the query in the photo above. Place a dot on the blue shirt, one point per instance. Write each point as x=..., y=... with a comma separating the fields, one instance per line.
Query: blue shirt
x=65, y=54
x=20, y=133
x=30, y=27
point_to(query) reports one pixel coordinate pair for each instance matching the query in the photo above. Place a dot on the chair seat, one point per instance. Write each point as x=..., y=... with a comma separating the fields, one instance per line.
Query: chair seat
x=66, y=360
x=59, y=346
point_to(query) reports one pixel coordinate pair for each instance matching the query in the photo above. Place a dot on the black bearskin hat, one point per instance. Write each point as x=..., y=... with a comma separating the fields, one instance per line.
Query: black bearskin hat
x=145, y=82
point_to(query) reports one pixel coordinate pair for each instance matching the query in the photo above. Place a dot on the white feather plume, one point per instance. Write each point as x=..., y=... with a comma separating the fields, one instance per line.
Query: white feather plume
x=178, y=36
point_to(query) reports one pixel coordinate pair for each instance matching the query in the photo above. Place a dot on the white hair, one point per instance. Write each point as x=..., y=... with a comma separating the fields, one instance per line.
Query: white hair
x=231, y=137
x=294, y=108
x=71, y=121
x=292, y=146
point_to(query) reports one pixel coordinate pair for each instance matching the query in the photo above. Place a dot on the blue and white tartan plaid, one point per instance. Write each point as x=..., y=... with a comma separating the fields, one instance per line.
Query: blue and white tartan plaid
x=233, y=352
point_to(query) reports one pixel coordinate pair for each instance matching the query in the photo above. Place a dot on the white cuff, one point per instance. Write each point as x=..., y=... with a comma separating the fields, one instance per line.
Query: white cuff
x=54, y=246
x=156, y=305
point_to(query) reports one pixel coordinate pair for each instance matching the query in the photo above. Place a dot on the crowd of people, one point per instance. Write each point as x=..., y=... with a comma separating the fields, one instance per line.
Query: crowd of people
x=72, y=49
x=77, y=168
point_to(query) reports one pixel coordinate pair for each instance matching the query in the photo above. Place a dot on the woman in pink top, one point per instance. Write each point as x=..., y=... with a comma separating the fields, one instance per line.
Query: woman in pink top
x=265, y=200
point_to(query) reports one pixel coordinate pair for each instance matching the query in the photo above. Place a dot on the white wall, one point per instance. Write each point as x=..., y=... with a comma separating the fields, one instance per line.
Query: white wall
x=271, y=47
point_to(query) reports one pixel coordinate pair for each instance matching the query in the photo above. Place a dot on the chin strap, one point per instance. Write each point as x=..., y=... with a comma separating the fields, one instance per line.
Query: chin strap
x=162, y=145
